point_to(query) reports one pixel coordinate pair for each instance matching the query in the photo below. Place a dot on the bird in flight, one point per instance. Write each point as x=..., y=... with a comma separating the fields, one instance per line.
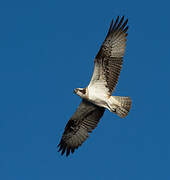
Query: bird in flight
x=97, y=96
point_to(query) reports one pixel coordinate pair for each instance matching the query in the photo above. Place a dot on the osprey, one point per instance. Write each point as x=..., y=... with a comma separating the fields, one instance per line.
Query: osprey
x=97, y=96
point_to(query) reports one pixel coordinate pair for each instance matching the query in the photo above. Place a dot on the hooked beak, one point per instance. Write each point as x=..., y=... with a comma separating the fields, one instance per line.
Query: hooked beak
x=75, y=91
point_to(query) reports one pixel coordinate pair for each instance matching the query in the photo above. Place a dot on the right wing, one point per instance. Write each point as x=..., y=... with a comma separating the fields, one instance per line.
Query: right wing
x=77, y=130
x=108, y=61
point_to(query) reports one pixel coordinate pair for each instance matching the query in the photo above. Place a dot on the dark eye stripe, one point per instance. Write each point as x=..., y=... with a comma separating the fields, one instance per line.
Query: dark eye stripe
x=83, y=91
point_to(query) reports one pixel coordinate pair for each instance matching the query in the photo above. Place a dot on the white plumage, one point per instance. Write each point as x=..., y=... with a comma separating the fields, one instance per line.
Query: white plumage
x=98, y=94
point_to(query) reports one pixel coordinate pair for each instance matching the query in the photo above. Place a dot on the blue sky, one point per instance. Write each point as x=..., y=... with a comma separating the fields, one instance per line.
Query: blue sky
x=46, y=50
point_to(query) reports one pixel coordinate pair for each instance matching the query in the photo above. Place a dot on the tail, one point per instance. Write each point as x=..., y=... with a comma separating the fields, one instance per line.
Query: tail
x=120, y=105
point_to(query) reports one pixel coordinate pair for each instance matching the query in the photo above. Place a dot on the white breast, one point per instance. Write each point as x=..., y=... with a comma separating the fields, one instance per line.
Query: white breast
x=98, y=94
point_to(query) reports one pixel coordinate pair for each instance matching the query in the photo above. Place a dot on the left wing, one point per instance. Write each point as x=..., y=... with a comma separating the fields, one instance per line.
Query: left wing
x=77, y=130
x=109, y=60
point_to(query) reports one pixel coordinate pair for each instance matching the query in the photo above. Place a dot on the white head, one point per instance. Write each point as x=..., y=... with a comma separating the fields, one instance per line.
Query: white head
x=80, y=92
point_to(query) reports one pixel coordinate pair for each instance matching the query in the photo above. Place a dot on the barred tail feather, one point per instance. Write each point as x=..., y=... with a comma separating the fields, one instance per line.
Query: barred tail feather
x=120, y=105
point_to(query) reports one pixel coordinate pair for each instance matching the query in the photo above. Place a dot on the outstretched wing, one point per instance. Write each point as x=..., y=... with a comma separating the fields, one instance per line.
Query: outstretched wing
x=108, y=62
x=77, y=130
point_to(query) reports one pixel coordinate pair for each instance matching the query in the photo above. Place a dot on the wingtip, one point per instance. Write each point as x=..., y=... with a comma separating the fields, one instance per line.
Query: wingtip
x=59, y=148
x=64, y=149
x=122, y=18
x=68, y=151
x=120, y=25
x=125, y=30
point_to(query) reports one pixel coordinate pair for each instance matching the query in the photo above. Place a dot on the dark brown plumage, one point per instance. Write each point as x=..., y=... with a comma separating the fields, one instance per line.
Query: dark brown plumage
x=108, y=64
x=84, y=120
x=110, y=55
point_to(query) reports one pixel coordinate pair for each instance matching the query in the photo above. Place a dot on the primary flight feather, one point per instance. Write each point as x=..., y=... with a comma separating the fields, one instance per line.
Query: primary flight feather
x=98, y=94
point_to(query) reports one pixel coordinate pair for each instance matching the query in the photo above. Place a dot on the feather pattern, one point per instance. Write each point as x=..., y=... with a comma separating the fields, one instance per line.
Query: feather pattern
x=107, y=67
x=109, y=60
x=77, y=130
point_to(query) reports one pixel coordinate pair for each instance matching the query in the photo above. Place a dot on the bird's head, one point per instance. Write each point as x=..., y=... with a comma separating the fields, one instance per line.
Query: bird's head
x=80, y=92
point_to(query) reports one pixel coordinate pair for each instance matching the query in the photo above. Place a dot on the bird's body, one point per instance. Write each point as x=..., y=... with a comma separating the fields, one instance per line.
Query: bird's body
x=97, y=96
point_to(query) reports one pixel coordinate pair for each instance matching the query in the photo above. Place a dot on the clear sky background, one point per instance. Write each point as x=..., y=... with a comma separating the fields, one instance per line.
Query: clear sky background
x=46, y=50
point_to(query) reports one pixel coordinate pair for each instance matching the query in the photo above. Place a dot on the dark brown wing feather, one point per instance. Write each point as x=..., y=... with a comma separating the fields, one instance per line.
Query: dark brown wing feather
x=77, y=130
x=108, y=62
